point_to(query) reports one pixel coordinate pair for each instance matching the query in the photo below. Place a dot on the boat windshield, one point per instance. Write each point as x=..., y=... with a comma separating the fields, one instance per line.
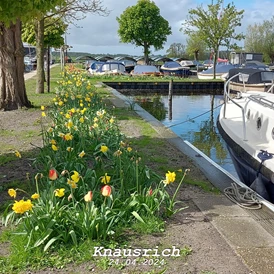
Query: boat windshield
x=267, y=76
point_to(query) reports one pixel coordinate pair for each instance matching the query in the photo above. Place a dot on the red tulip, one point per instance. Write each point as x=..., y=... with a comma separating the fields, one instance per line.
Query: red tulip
x=150, y=192
x=53, y=174
x=88, y=196
x=106, y=190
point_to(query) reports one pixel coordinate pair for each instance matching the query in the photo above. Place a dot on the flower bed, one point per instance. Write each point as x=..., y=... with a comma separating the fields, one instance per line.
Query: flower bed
x=90, y=182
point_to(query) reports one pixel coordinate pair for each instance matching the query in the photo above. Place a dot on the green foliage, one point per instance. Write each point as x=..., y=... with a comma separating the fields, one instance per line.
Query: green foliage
x=53, y=33
x=25, y=9
x=260, y=39
x=150, y=224
x=216, y=26
x=196, y=46
x=176, y=50
x=142, y=25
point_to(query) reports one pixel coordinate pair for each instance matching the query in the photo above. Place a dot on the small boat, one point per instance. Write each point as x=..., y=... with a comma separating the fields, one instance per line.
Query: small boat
x=250, y=79
x=173, y=68
x=246, y=123
x=109, y=67
x=220, y=73
x=94, y=66
x=146, y=70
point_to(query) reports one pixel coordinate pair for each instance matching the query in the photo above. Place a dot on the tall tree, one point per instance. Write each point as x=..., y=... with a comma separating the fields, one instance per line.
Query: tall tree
x=260, y=39
x=176, y=50
x=196, y=47
x=12, y=13
x=216, y=25
x=142, y=25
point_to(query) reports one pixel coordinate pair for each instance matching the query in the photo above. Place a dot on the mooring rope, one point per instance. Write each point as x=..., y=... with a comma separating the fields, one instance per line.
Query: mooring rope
x=190, y=119
x=244, y=197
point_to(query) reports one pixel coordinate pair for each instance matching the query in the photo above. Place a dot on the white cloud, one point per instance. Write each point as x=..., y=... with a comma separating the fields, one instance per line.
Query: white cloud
x=98, y=34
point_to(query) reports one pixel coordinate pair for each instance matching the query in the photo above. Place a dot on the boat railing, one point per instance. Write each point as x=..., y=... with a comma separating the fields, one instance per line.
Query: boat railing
x=258, y=99
x=262, y=101
x=227, y=97
x=271, y=88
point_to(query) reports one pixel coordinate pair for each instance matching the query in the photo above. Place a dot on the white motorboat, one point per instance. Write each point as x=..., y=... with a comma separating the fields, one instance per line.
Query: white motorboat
x=173, y=68
x=221, y=72
x=246, y=122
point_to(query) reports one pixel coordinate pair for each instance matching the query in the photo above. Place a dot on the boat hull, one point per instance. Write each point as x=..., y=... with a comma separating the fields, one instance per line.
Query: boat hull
x=247, y=168
x=247, y=126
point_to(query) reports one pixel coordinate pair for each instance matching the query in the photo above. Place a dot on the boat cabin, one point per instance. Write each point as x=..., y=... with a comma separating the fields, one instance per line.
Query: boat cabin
x=251, y=75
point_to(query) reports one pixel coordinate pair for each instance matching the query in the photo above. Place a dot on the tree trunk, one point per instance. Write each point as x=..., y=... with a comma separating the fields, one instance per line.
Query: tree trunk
x=12, y=84
x=39, y=34
x=146, y=52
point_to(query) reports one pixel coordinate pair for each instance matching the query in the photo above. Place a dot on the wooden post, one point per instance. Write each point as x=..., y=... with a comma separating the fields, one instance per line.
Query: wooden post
x=170, y=92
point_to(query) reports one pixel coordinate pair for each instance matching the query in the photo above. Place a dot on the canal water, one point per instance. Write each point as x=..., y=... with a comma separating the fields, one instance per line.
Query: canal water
x=193, y=118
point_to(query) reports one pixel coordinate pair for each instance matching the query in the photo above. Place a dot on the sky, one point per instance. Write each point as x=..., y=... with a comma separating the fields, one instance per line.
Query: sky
x=98, y=34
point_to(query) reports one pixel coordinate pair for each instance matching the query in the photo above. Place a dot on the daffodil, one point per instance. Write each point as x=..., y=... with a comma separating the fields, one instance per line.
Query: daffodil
x=111, y=120
x=54, y=147
x=75, y=177
x=170, y=178
x=35, y=196
x=22, y=206
x=129, y=149
x=42, y=107
x=53, y=142
x=43, y=114
x=17, y=154
x=68, y=137
x=104, y=149
x=59, y=192
x=12, y=192
x=105, y=179
x=117, y=153
x=82, y=154
x=69, y=124
x=82, y=120
x=72, y=183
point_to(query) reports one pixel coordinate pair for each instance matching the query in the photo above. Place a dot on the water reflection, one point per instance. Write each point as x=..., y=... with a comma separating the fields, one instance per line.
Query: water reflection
x=194, y=119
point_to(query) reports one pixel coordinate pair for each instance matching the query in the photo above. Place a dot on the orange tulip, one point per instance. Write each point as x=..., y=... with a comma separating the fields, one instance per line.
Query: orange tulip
x=53, y=174
x=88, y=196
x=106, y=190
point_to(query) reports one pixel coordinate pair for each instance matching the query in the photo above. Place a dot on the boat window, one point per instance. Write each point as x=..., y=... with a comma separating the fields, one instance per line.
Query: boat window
x=259, y=123
x=243, y=77
x=267, y=76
